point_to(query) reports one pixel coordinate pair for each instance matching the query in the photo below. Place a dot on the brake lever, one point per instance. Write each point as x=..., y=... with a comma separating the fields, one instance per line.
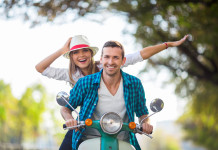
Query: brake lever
x=140, y=132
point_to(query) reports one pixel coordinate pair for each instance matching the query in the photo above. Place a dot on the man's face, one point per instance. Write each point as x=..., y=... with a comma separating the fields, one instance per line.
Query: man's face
x=111, y=60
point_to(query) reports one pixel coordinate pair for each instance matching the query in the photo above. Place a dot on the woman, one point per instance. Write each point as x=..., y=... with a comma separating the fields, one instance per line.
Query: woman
x=80, y=53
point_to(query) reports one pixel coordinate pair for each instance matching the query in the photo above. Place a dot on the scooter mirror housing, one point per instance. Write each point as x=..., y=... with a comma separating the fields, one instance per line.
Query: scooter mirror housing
x=62, y=97
x=156, y=105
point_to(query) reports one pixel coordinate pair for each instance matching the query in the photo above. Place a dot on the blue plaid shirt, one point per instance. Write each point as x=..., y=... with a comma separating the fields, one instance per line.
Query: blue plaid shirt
x=85, y=94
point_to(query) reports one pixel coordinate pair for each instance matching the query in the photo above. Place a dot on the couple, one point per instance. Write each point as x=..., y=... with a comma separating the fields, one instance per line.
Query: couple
x=109, y=89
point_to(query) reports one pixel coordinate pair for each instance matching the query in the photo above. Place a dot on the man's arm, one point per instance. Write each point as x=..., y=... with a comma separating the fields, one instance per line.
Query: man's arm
x=146, y=127
x=75, y=99
x=67, y=115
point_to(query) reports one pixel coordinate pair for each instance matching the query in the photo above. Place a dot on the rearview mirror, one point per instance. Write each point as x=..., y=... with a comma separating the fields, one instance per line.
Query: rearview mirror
x=60, y=98
x=156, y=105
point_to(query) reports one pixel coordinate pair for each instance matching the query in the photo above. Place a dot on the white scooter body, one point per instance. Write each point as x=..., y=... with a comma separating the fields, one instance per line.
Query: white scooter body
x=94, y=144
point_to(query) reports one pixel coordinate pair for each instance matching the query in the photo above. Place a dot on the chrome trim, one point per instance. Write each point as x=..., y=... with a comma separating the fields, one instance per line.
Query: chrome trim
x=101, y=123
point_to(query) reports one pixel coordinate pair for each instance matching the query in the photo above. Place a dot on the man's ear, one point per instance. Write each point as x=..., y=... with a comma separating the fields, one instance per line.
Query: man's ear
x=124, y=61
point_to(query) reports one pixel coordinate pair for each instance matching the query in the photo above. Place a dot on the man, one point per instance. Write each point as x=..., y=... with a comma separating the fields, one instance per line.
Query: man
x=108, y=90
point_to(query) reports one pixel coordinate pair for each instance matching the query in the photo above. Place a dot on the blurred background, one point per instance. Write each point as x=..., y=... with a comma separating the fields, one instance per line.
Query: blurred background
x=186, y=77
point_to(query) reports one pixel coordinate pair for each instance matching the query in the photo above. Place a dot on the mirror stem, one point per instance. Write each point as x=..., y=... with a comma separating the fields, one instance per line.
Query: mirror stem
x=146, y=118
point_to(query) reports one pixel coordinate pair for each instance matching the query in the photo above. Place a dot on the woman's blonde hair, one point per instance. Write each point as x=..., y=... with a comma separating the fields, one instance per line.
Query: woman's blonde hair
x=92, y=68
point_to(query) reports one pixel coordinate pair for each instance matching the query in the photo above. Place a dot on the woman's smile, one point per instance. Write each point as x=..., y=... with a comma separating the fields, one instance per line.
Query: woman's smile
x=82, y=57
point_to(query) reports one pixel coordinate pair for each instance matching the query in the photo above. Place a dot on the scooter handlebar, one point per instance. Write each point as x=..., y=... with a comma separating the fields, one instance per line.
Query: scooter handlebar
x=64, y=126
x=142, y=130
x=72, y=127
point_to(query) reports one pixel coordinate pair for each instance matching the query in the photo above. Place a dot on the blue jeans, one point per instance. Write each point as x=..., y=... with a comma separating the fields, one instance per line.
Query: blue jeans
x=67, y=142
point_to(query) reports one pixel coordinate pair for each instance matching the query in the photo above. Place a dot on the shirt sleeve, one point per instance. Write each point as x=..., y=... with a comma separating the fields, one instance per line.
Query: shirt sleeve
x=133, y=58
x=56, y=73
x=75, y=98
x=141, y=108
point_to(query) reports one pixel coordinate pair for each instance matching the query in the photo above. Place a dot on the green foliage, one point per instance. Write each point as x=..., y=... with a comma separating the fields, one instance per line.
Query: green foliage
x=172, y=144
x=200, y=121
x=47, y=11
x=59, y=133
x=30, y=109
x=163, y=141
x=20, y=118
x=8, y=107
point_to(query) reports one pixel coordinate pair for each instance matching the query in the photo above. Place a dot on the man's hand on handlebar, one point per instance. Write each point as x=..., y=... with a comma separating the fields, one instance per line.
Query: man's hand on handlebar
x=147, y=128
x=72, y=122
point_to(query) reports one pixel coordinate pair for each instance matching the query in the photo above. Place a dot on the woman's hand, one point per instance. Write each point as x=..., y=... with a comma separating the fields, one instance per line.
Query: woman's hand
x=177, y=43
x=66, y=46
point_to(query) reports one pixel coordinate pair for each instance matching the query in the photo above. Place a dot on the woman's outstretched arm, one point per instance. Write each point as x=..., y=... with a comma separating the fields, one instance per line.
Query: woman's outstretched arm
x=149, y=51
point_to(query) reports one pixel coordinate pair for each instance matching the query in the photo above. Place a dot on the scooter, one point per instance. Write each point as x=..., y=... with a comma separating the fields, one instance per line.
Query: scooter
x=109, y=126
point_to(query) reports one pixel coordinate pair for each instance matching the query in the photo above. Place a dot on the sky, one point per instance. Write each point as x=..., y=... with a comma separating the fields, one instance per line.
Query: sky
x=23, y=47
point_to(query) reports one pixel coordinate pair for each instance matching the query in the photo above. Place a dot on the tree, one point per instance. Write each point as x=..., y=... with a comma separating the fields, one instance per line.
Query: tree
x=193, y=66
x=47, y=11
x=21, y=117
x=8, y=107
x=30, y=109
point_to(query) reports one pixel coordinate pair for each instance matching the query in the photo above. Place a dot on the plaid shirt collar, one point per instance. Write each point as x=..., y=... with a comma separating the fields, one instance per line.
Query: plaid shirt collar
x=97, y=80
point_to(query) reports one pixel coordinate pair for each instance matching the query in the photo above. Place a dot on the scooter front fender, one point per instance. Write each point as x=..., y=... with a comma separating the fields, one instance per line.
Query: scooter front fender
x=95, y=144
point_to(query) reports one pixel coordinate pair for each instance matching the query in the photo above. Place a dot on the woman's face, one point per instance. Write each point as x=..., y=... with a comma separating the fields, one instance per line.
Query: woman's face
x=82, y=57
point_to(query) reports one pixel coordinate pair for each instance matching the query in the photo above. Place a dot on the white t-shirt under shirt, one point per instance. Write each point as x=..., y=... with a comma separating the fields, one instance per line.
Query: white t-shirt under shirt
x=107, y=103
x=62, y=73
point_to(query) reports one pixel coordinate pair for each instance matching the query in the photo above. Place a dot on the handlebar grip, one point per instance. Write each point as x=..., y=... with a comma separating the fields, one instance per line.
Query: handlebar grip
x=142, y=130
x=64, y=126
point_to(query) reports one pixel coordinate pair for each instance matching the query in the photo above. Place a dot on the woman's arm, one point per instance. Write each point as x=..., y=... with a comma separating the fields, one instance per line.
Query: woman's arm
x=42, y=65
x=147, y=52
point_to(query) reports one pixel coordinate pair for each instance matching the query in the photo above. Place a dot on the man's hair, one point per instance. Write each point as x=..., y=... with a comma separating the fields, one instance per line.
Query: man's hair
x=113, y=44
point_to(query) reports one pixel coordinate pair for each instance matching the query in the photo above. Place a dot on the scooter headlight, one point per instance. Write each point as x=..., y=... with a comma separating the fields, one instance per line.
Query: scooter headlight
x=111, y=123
